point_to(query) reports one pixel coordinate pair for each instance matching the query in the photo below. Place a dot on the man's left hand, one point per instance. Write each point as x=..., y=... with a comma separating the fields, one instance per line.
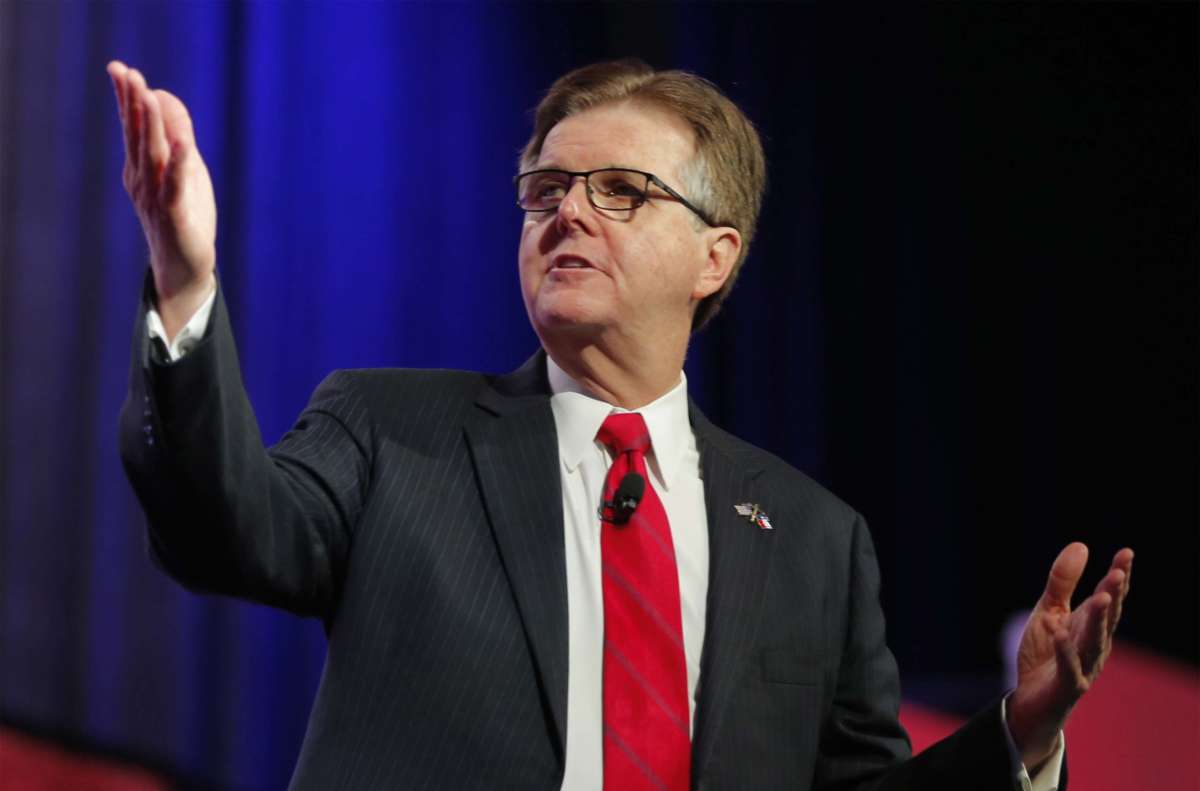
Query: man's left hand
x=1062, y=650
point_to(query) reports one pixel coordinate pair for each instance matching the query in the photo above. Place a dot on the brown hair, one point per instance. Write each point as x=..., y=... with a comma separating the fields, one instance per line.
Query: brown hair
x=726, y=178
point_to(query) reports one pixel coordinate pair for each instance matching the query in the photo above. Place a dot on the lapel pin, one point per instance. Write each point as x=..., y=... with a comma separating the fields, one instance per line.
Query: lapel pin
x=754, y=514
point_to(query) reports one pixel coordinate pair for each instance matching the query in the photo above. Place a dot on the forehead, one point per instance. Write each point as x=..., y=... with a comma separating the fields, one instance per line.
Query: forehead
x=620, y=135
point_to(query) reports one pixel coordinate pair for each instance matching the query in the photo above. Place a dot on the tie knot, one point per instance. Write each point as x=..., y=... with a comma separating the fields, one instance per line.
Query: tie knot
x=624, y=432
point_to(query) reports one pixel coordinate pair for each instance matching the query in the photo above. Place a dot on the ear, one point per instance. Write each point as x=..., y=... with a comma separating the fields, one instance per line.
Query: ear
x=723, y=245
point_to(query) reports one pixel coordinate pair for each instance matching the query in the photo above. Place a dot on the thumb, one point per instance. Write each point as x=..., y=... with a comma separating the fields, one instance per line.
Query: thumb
x=1064, y=576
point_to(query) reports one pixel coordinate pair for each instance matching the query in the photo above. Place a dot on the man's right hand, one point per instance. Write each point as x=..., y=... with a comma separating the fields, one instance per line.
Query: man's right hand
x=168, y=182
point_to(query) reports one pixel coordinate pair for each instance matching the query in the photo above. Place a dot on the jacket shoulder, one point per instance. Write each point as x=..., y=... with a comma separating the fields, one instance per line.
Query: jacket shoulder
x=415, y=405
x=440, y=390
x=784, y=483
x=408, y=384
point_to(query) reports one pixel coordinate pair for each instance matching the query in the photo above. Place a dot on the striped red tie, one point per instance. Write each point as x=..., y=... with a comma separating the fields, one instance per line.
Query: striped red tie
x=646, y=734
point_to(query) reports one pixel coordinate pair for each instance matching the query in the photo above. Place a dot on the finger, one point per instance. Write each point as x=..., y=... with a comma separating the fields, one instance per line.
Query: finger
x=138, y=91
x=115, y=75
x=1113, y=616
x=117, y=72
x=1091, y=635
x=1064, y=576
x=1112, y=583
x=157, y=149
x=176, y=119
x=173, y=177
x=1122, y=562
x=1070, y=672
x=120, y=76
x=131, y=116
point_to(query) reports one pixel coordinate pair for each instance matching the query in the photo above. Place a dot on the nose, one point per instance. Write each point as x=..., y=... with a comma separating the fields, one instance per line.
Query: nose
x=575, y=210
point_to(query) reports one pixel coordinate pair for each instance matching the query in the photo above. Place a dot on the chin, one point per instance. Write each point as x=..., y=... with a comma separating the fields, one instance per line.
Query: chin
x=569, y=316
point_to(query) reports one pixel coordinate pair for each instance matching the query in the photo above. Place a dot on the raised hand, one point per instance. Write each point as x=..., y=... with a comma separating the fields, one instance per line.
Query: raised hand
x=1062, y=650
x=168, y=182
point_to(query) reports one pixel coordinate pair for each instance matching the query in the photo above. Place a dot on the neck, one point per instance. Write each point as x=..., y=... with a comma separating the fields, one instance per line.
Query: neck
x=628, y=377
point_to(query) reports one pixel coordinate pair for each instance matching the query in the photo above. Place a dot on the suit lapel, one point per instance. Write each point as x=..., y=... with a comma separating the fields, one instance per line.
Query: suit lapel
x=514, y=447
x=739, y=562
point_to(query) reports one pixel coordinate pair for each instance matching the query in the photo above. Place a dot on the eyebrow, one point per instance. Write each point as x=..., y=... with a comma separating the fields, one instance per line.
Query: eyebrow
x=555, y=166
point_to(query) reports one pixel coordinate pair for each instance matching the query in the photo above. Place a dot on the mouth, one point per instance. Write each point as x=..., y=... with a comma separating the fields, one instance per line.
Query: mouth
x=570, y=261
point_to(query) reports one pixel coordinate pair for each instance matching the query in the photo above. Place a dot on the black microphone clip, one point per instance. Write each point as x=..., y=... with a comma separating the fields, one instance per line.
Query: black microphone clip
x=625, y=500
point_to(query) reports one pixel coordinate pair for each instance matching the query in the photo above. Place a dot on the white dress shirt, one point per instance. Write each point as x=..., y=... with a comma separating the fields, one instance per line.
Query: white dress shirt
x=189, y=336
x=674, y=465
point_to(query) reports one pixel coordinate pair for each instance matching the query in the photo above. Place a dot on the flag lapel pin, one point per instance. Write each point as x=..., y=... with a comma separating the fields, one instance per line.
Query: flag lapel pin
x=754, y=514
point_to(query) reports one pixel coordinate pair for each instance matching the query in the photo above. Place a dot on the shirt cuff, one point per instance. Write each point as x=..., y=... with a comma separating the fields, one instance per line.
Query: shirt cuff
x=1050, y=772
x=189, y=336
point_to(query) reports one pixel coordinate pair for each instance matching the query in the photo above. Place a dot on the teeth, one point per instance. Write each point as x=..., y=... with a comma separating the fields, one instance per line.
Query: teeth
x=572, y=264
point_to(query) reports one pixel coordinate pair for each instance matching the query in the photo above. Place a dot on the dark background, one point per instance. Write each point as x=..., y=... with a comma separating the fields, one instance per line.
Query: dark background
x=970, y=311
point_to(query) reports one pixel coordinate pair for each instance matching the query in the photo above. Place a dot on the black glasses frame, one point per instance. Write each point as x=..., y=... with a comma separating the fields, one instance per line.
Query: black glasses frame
x=587, y=184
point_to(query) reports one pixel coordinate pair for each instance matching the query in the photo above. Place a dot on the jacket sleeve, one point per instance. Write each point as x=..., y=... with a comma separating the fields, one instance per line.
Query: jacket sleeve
x=863, y=746
x=225, y=514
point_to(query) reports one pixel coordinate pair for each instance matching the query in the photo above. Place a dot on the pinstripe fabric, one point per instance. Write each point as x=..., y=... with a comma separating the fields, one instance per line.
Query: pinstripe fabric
x=418, y=514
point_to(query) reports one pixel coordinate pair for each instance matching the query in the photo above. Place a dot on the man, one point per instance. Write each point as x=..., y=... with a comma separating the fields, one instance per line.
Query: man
x=566, y=576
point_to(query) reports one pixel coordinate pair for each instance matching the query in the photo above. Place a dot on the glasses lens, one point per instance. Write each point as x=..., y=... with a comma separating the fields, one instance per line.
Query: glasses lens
x=544, y=190
x=618, y=189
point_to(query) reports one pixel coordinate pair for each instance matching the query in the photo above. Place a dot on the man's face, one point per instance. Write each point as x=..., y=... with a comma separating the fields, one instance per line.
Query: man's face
x=638, y=273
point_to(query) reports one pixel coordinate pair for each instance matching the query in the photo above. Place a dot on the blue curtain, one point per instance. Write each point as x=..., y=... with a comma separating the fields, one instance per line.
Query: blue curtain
x=892, y=334
x=362, y=156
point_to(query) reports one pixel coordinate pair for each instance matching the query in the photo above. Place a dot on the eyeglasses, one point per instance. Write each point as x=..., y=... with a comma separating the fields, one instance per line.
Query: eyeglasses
x=608, y=189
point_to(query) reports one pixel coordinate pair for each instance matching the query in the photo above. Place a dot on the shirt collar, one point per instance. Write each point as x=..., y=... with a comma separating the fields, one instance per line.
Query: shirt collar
x=578, y=416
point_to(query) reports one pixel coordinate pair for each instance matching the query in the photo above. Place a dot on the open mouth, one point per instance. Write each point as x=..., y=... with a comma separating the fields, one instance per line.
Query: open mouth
x=571, y=262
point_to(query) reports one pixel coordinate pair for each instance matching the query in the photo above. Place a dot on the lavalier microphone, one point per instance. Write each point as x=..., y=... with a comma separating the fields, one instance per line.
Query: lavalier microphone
x=625, y=500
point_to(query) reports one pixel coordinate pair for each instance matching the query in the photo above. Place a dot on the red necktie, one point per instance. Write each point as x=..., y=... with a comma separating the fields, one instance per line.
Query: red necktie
x=646, y=733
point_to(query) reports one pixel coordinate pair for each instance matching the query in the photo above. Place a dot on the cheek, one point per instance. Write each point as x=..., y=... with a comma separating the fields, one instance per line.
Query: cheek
x=640, y=256
x=663, y=267
x=529, y=266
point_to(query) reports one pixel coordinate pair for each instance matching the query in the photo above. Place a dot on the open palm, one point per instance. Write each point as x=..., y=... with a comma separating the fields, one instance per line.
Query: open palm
x=171, y=190
x=1062, y=650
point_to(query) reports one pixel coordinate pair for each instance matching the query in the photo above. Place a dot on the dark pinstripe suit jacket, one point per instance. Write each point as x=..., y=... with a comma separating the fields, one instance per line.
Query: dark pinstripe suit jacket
x=419, y=515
